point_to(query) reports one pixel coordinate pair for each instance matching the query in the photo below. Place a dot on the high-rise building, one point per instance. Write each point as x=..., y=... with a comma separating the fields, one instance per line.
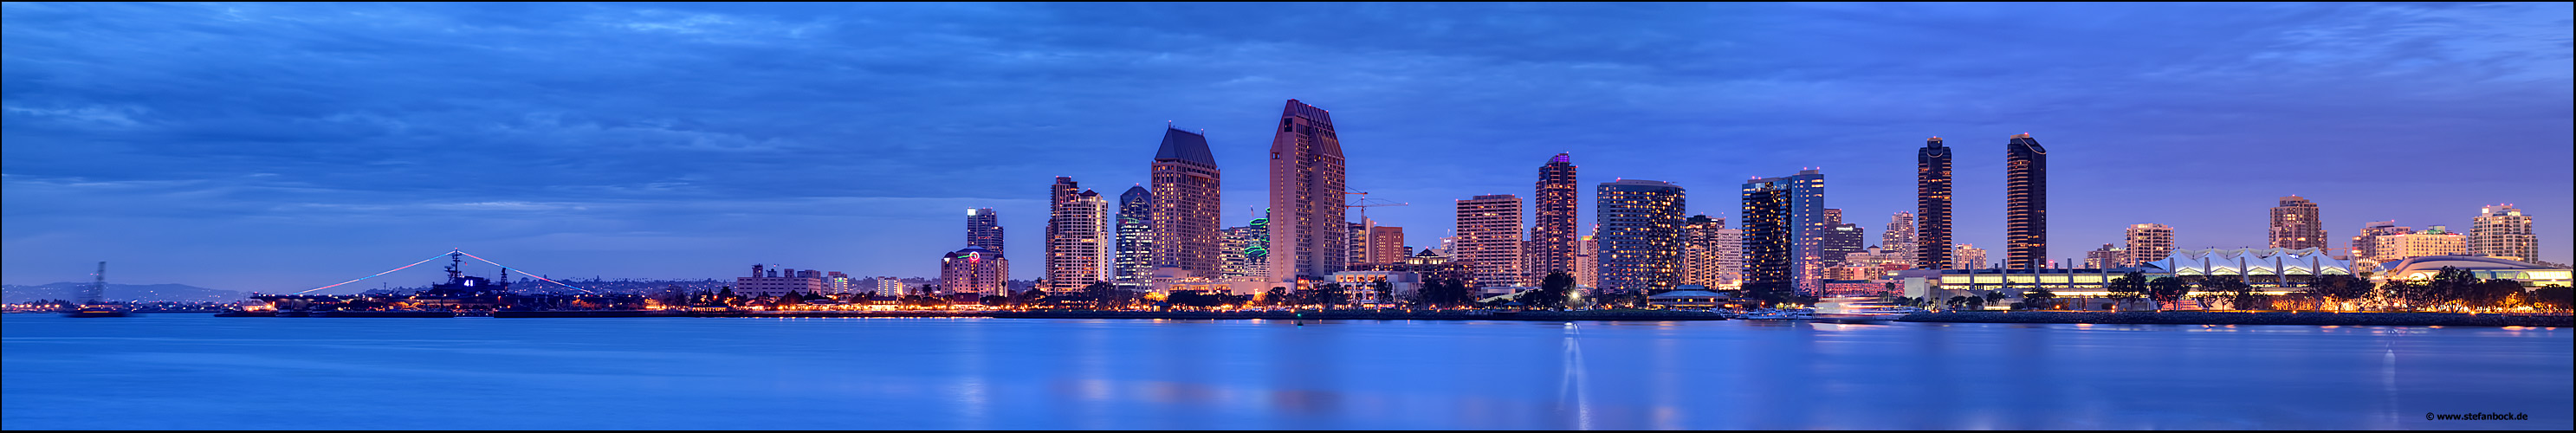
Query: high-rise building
x=1587, y=260
x=2146, y=243
x=1386, y=245
x=1079, y=252
x=1967, y=256
x=1932, y=206
x=1489, y=239
x=2106, y=257
x=2501, y=231
x=2025, y=203
x=2433, y=241
x=2295, y=224
x=1840, y=239
x=974, y=270
x=1552, y=236
x=1306, y=187
x=1730, y=257
x=1186, y=212
x=1135, y=238
x=1704, y=251
x=1784, y=222
x=2365, y=246
x=1899, y=237
x=1641, y=236
x=1248, y=249
x=983, y=229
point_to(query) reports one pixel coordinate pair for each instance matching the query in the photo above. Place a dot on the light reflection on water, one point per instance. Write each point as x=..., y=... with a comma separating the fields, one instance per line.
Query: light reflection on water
x=200, y=372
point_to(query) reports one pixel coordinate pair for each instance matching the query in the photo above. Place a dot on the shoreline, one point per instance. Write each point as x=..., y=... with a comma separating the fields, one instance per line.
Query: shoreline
x=2245, y=318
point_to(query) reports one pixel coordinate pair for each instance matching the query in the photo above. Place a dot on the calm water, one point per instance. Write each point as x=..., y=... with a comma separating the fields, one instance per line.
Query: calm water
x=193, y=371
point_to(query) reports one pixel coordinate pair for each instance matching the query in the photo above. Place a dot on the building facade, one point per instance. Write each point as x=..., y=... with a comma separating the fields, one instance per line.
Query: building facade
x=1899, y=237
x=2108, y=256
x=2146, y=242
x=1932, y=205
x=1078, y=253
x=1386, y=245
x=1186, y=208
x=1135, y=237
x=2501, y=231
x=984, y=229
x=2432, y=241
x=974, y=270
x=2365, y=246
x=1552, y=235
x=1967, y=256
x=1587, y=261
x=2295, y=224
x=1840, y=240
x=1306, y=202
x=1702, y=251
x=1641, y=236
x=2025, y=203
x=1247, y=250
x=780, y=282
x=1783, y=222
x=1489, y=240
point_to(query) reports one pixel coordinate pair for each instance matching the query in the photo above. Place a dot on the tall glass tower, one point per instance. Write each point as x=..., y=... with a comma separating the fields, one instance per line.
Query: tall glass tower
x=1551, y=239
x=1186, y=212
x=983, y=229
x=1932, y=206
x=1135, y=237
x=2025, y=203
x=1308, y=232
x=1784, y=222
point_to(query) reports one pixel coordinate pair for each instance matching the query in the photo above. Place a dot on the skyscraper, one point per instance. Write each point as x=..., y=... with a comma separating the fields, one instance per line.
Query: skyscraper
x=2025, y=203
x=1587, y=259
x=2365, y=246
x=2106, y=257
x=1063, y=189
x=1932, y=205
x=1839, y=240
x=1641, y=236
x=1247, y=249
x=1898, y=240
x=1552, y=236
x=2501, y=231
x=1967, y=256
x=1489, y=239
x=1135, y=237
x=1186, y=212
x=2147, y=243
x=2295, y=224
x=1703, y=251
x=1784, y=220
x=1306, y=229
x=983, y=229
x=1386, y=245
x=1078, y=253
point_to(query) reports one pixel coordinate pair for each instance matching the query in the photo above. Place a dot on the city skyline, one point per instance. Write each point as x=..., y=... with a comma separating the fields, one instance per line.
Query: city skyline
x=289, y=196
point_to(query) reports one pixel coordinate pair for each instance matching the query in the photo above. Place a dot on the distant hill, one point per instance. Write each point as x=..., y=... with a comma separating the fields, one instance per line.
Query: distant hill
x=119, y=292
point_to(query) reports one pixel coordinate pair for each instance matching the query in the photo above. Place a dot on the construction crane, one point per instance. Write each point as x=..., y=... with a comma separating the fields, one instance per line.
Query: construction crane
x=1363, y=204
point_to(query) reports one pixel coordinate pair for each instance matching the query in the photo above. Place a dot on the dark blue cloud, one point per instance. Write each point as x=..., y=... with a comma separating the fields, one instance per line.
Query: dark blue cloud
x=270, y=146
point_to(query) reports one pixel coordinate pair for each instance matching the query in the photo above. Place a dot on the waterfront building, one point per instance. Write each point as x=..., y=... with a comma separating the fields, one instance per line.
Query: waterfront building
x=2365, y=246
x=2108, y=256
x=1079, y=242
x=1704, y=251
x=2025, y=203
x=1186, y=210
x=1552, y=237
x=779, y=282
x=1967, y=256
x=1489, y=239
x=1386, y=245
x=1306, y=195
x=1360, y=285
x=2502, y=231
x=984, y=229
x=974, y=270
x=1784, y=220
x=2295, y=224
x=1641, y=237
x=2432, y=241
x=1932, y=205
x=2423, y=268
x=2146, y=242
x=1839, y=240
x=1899, y=237
x=1135, y=237
x=2272, y=271
x=1587, y=260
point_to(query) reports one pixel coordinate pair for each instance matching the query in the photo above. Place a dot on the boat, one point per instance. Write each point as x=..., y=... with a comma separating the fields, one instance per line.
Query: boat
x=93, y=301
x=94, y=311
x=1776, y=314
x=1860, y=310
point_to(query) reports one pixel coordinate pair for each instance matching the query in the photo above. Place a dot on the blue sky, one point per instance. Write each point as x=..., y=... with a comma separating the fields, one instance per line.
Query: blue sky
x=279, y=147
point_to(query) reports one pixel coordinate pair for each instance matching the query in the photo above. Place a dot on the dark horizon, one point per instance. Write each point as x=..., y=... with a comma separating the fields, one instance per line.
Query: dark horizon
x=269, y=147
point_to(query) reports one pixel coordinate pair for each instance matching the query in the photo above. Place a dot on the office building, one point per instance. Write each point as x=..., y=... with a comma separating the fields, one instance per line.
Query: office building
x=1932, y=205
x=1489, y=239
x=1552, y=237
x=1386, y=245
x=1587, y=260
x=1899, y=237
x=1135, y=237
x=1306, y=203
x=984, y=229
x=1702, y=261
x=1784, y=221
x=2025, y=203
x=2108, y=256
x=2365, y=246
x=1641, y=235
x=1186, y=210
x=2146, y=242
x=2432, y=241
x=1078, y=249
x=2295, y=224
x=765, y=282
x=1840, y=239
x=974, y=270
x=2501, y=231
x=1968, y=256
